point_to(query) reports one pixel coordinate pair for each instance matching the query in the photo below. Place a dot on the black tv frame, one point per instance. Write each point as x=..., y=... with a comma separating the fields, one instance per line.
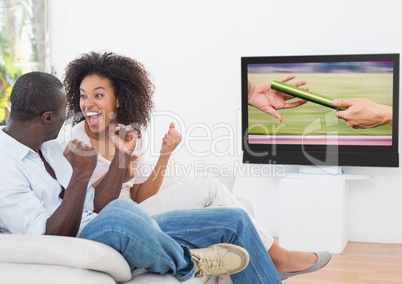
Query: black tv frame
x=346, y=155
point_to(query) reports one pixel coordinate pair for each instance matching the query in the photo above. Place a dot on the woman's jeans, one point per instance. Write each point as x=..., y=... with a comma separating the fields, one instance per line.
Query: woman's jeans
x=161, y=243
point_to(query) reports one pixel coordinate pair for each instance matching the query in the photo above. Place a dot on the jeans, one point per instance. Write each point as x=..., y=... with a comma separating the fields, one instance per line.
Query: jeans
x=161, y=244
x=199, y=192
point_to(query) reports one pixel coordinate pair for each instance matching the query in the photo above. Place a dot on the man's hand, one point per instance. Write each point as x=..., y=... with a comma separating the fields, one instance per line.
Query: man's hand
x=363, y=113
x=82, y=157
x=170, y=141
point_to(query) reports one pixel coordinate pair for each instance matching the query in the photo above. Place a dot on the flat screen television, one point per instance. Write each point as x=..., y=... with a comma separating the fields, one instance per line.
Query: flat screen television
x=311, y=134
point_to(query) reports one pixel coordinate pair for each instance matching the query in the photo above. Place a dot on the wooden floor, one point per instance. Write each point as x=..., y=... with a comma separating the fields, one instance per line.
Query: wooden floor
x=360, y=263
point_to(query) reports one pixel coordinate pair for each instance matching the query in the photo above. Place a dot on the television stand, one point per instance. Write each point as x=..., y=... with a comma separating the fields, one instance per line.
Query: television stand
x=314, y=211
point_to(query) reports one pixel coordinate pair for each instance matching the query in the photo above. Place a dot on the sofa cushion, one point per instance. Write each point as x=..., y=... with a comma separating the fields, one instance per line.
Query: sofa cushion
x=21, y=273
x=64, y=251
x=141, y=276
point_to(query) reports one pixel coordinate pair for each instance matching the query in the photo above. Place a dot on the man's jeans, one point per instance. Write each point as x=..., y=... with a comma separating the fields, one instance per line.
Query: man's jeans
x=161, y=243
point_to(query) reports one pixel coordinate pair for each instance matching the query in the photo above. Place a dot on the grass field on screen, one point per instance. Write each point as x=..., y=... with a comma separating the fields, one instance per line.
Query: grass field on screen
x=296, y=121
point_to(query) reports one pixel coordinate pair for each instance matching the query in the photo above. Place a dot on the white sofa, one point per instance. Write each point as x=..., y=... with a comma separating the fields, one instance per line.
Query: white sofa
x=66, y=260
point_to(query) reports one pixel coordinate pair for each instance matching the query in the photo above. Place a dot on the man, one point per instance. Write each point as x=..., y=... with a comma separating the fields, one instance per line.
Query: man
x=44, y=190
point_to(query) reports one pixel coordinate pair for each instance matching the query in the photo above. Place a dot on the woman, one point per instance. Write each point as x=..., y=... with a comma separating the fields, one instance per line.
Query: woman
x=105, y=89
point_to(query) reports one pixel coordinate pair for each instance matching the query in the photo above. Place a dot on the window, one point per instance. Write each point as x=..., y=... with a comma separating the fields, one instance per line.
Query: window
x=24, y=44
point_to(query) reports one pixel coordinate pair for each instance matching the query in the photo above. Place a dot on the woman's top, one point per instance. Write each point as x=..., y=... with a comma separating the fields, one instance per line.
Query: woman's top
x=142, y=171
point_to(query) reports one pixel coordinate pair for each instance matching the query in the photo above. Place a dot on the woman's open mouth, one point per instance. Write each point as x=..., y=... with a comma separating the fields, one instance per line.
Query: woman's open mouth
x=93, y=118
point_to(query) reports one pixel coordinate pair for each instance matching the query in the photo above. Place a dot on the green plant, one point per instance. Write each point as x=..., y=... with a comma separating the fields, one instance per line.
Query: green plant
x=8, y=74
x=21, y=28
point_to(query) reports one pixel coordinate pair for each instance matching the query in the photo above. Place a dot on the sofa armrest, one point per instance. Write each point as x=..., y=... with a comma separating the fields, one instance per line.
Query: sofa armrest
x=64, y=251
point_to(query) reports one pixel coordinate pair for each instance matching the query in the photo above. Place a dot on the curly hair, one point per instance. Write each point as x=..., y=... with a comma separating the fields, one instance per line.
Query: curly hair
x=128, y=78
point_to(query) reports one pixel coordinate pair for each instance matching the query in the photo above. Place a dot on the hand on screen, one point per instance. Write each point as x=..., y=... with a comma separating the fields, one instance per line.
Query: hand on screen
x=363, y=113
x=261, y=96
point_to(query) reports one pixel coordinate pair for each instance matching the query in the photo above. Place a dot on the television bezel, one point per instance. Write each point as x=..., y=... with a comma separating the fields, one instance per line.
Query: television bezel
x=347, y=155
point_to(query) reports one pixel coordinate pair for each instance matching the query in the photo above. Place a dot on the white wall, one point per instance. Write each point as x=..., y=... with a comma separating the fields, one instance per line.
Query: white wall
x=192, y=50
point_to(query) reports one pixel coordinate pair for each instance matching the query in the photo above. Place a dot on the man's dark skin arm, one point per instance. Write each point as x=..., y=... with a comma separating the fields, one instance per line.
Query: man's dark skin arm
x=110, y=186
x=65, y=221
x=124, y=139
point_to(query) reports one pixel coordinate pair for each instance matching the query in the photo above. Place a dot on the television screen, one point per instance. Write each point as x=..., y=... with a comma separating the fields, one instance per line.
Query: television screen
x=311, y=133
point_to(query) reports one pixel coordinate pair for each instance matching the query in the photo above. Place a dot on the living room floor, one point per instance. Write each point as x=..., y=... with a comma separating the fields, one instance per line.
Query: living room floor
x=360, y=263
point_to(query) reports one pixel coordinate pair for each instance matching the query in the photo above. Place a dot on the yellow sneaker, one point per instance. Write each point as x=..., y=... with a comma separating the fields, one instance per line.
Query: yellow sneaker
x=219, y=259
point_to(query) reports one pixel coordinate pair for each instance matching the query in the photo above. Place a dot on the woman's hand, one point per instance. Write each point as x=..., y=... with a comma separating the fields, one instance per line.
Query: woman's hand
x=262, y=97
x=170, y=141
x=124, y=138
